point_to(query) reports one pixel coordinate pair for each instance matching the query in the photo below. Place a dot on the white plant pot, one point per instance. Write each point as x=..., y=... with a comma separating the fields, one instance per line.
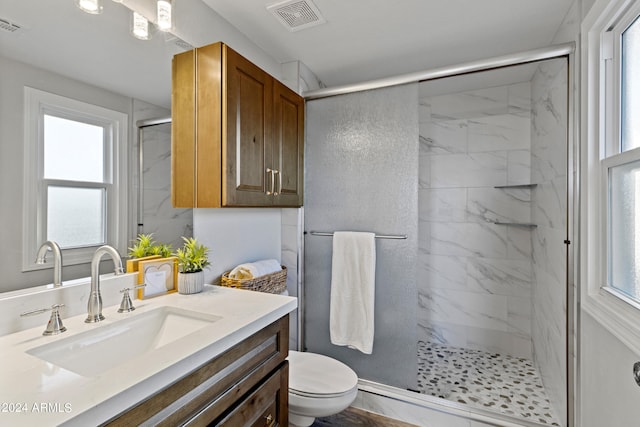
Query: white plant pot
x=191, y=283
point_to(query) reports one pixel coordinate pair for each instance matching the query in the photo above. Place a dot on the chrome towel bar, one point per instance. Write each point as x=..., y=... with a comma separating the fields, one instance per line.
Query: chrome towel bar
x=378, y=236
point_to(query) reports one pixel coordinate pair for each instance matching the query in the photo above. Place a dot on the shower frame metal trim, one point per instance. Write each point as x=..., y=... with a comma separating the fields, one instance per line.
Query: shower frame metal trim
x=535, y=55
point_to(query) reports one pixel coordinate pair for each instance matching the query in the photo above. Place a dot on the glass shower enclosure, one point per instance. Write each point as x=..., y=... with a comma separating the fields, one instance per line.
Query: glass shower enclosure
x=471, y=307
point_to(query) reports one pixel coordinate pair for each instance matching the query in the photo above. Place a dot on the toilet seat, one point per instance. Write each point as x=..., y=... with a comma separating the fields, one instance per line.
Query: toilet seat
x=317, y=376
x=316, y=396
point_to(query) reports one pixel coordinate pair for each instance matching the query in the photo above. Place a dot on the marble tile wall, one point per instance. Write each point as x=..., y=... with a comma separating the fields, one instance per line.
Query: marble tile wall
x=291, y=231
x=475, y=276
x=549, y=211
x=166, y=223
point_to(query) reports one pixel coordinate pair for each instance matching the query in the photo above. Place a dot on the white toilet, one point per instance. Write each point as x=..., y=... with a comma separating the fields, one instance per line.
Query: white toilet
x=319, y=386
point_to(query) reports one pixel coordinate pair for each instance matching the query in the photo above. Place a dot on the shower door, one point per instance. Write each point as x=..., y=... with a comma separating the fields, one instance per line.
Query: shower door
x=361, y=174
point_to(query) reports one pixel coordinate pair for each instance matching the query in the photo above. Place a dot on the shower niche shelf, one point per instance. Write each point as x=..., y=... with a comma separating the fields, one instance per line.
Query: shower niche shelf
x=516, y=224
x=516, y=186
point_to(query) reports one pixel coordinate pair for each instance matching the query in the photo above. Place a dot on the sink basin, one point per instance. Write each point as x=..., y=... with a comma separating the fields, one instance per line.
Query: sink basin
x=93, y=352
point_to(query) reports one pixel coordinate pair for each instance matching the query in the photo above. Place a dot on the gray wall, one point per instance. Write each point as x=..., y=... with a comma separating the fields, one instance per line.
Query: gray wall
x=361, y=174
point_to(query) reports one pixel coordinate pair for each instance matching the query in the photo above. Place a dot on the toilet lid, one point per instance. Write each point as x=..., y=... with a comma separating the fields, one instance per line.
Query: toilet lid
x=315, y=374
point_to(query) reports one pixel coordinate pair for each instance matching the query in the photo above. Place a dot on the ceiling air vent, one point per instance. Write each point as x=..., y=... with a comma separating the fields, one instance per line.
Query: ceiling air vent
x=9, y=27
x=296, y=15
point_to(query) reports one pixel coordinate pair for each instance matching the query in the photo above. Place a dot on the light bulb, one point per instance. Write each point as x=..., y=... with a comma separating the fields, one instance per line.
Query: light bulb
x=140, y=26
x=89, y=6
x=165, y=16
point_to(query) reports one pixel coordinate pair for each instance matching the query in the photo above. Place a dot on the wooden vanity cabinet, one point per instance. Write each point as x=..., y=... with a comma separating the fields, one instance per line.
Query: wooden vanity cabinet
x=237, y=133
x=245, y=386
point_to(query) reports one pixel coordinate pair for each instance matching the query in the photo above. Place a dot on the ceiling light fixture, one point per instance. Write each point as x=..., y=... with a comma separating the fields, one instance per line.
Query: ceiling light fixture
x=90, y=6
x=139, y=26
x=165, y=15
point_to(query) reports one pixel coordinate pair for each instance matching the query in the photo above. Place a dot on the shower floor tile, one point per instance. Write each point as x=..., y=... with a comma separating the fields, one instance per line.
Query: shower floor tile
x=492, y=381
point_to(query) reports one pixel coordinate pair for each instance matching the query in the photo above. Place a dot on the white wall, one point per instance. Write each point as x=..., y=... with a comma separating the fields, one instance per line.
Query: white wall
x=235, y=236
x=609, y=396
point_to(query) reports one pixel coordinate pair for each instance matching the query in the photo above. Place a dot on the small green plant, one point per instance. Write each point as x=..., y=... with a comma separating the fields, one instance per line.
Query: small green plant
x=192, y=256
x=142, y=247
x=162, y=249
x=146, y=246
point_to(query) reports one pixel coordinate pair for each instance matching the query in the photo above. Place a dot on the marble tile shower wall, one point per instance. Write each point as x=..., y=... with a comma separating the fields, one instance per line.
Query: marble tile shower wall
x=549, y=207
x=166, y=223
x=291, y=230
x=475, y=276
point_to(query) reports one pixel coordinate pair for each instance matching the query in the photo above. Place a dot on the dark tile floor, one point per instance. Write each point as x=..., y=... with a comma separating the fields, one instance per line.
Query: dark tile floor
x=354, y=417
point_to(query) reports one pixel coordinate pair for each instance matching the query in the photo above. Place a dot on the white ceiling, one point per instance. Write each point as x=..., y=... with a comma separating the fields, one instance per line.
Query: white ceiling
x=361, y=40
x=369, y=39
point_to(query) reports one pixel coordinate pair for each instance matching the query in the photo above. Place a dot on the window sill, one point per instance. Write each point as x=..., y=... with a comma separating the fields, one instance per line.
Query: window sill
x=621, y=317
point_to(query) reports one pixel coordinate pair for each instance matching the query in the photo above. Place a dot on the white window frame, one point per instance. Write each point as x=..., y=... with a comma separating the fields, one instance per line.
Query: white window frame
x=37, y=103
x=601, y=31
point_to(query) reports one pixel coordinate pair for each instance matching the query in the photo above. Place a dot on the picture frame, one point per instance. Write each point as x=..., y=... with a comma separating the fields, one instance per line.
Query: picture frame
x=160, y=275
x=133, y=263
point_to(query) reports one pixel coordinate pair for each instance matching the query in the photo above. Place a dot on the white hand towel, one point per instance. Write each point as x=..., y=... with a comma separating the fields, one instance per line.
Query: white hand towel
x=353, y=269
x=252, y=270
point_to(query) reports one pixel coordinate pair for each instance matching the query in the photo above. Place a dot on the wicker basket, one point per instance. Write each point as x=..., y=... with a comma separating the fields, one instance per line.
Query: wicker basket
x=274, y=283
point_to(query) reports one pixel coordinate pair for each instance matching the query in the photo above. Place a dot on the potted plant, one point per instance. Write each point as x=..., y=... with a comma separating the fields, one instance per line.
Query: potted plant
x=192, y=259
x=146, y=248
x=142, y=246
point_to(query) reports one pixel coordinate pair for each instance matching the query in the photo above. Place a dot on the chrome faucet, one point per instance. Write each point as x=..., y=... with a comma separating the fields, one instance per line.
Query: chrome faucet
x=57, y=260
x=94, y=306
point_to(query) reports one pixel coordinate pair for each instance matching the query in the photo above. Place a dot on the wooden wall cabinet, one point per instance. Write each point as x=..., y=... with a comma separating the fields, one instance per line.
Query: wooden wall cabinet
x=237, y=133
x=248, y=385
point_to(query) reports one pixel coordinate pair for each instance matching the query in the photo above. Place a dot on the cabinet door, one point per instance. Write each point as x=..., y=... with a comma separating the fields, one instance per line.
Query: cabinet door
x=266, y=406
x=195, y=139
x=183, y=138
x=247, y=117
x=288, y=145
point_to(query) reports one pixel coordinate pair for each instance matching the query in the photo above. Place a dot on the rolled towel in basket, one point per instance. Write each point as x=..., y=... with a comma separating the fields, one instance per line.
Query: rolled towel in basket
x=252, y=270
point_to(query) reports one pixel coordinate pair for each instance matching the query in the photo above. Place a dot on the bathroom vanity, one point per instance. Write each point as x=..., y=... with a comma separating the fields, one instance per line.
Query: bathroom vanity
x=215, y=357
x=246, y=385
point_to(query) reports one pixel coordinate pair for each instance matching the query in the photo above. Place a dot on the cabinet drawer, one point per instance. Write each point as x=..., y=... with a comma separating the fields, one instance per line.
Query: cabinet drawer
x=214, y=387
x=266, y=406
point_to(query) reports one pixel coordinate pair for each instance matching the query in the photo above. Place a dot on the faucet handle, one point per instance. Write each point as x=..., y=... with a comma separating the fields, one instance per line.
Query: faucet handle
x=54, y=326
x=126, y=305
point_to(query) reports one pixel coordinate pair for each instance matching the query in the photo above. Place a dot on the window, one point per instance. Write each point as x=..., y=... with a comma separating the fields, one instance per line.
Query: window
x=75, y=188
x=621, y=159
x=610, y=168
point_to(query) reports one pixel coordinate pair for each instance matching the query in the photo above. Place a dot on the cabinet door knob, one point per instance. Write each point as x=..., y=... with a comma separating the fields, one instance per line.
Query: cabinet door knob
x=271, y=188
x=270, y=421
x=276, y=192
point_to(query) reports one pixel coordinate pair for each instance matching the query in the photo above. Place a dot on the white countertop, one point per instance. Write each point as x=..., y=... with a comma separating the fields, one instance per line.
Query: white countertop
x=36, y=392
